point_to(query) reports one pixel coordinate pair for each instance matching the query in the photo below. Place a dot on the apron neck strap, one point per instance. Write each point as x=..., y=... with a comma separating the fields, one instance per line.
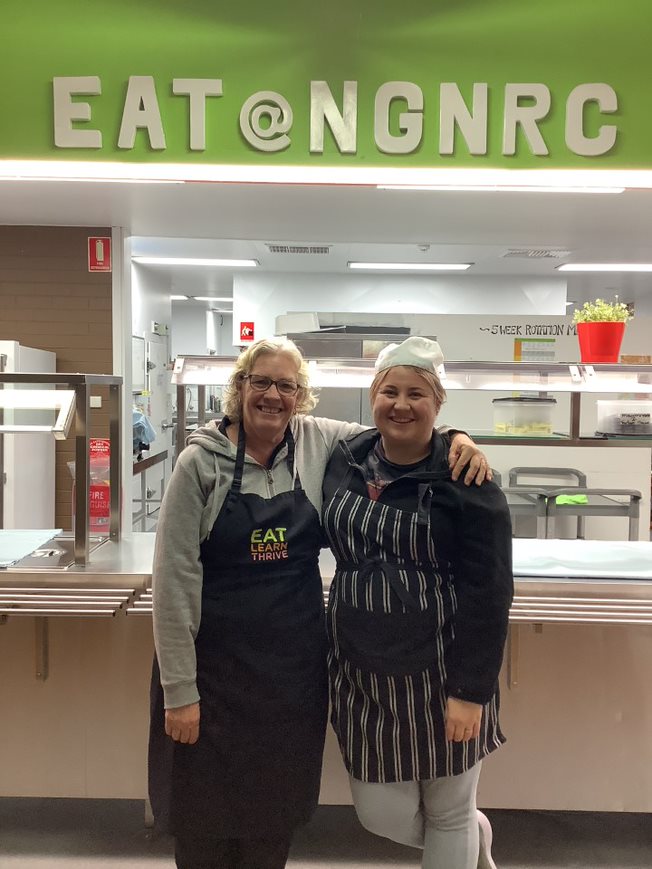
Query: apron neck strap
x=289, y=437
x=239, y=459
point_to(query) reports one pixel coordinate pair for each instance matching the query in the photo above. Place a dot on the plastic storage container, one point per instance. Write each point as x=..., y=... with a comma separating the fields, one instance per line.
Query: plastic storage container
x=625, y=417
x=523, y=416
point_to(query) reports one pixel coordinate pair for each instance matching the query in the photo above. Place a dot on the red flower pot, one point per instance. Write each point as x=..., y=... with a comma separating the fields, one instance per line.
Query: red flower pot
x=600, y=342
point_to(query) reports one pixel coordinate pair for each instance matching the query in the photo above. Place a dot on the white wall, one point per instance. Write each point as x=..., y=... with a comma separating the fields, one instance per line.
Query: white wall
x=150, y=299
x=189, y=331
x=260, y=298
x=627, y=286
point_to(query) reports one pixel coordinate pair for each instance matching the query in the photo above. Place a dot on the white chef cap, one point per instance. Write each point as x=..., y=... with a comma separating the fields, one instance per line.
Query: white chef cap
x=416, y=351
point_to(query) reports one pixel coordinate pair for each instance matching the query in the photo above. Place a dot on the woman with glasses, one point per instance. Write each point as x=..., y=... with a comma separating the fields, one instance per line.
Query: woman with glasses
x=238, y=728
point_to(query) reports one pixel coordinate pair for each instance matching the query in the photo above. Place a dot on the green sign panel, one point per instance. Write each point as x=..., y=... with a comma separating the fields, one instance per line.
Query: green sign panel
x=429, y=83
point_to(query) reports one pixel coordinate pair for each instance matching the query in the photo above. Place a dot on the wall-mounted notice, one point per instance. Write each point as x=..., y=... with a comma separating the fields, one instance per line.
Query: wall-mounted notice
x=534, y=350
x=246, y=331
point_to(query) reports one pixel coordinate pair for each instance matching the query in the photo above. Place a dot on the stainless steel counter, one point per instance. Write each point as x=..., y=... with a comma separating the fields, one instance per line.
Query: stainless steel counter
x=556, y=581
x=582, y=582
x=122, y=564
x=118, y=574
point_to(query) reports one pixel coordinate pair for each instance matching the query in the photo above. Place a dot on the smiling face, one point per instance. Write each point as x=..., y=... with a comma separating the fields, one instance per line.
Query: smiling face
x=266, y=414
x=404, y=410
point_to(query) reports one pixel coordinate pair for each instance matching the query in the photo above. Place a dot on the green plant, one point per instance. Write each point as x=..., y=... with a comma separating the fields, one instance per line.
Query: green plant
x=601, y=311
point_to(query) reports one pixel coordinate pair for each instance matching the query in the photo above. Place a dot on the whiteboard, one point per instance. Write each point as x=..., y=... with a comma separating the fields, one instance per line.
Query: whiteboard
x=138, y=372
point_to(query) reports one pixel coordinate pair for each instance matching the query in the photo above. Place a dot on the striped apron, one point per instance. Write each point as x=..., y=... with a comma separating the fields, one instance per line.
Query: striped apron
x=391, y=625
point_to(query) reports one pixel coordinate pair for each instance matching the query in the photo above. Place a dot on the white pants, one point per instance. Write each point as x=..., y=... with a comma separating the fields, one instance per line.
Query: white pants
x=438, y=815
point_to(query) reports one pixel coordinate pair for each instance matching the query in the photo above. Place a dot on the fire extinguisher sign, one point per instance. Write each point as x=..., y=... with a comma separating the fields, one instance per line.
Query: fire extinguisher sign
x=99, y=254
x=246, y=331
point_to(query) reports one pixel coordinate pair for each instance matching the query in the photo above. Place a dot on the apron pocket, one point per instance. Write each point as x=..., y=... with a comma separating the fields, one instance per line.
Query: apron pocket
x=390, y=644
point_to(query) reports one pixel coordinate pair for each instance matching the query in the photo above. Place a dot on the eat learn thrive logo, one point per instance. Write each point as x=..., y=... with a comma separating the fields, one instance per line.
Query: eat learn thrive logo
x=268, y=544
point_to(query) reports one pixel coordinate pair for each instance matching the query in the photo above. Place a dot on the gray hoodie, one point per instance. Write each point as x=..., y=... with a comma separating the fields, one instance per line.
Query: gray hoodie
x=201, y=479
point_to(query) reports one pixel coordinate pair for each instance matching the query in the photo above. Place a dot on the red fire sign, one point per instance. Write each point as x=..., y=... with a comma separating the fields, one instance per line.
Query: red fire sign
x=246, y=331
x=99, y=254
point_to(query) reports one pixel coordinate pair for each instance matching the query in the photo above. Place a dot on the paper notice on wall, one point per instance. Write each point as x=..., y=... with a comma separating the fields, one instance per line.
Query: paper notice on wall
x=534, y=350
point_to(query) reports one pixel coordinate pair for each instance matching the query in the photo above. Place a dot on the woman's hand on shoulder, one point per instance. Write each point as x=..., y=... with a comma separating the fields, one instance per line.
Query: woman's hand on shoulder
x=463, y=720
x=182, y=723
x=463, y=451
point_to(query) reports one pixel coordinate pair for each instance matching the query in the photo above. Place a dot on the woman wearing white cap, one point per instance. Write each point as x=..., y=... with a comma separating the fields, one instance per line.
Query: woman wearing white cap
x=417, y=616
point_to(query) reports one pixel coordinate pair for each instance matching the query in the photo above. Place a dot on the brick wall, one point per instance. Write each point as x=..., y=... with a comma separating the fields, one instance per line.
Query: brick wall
x=49, y=300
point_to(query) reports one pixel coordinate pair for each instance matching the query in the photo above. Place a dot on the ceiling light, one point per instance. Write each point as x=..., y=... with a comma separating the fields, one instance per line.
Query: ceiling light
x=418, y=267
x=214, y=298
x=502, y=188
x=194, y=261
x=179, y=298
x=605, y=267
x=211, y=299
x=372, y=176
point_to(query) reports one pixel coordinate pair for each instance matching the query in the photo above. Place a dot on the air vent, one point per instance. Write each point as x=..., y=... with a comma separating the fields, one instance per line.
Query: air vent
x=311, y=249
x=535, y=253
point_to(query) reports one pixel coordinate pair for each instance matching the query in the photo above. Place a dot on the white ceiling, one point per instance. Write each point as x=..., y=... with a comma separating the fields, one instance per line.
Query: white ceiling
x=236, y=220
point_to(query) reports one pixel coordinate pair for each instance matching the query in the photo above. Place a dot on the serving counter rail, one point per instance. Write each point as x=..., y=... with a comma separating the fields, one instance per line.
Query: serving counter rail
x=125, y=564
x=557, y=581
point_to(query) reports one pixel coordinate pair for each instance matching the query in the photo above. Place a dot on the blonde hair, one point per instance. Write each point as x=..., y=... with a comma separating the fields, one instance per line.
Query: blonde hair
x=232, y=401
x=431, y=379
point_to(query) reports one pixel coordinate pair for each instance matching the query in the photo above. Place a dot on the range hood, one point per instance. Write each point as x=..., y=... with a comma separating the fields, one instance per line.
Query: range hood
x=338, y=340
x=345, y=342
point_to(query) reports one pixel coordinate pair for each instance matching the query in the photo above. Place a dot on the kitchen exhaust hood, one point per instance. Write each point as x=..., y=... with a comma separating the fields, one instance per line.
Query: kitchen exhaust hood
x=338, y=341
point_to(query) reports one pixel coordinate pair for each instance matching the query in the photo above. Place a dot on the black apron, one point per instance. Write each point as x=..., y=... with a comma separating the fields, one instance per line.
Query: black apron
x=391, y=617
x=261, y=673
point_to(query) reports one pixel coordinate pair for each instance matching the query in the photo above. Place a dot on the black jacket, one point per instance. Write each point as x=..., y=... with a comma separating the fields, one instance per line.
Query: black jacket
x=472, y=532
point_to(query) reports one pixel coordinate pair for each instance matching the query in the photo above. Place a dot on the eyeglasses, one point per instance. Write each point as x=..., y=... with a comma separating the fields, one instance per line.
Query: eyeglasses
x=261, y=384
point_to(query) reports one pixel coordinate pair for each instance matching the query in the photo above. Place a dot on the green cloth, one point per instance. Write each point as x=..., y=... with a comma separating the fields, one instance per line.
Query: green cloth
x=572, y=499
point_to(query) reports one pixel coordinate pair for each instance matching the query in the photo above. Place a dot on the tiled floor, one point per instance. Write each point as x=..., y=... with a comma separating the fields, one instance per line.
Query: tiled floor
x=102, y=834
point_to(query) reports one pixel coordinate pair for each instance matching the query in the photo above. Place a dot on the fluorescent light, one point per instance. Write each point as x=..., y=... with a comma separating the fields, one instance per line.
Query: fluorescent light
x=213, y=298
x=96, y=180
x=348, y=175
x=179, y=298
x=417, y=267
x=605, y=267
x=210, y=299
x=194, y=261
x=500, y=188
